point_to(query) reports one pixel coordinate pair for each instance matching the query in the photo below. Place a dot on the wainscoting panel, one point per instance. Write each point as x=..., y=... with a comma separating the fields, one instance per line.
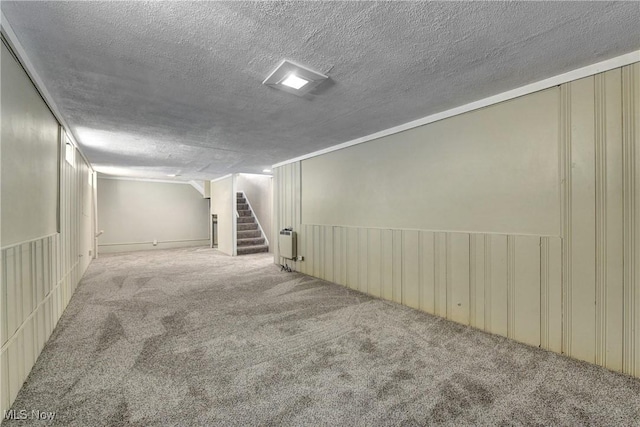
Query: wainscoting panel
x=427, y=272
x=458, y=279
x=459, y=276
x=352, y=258
x=440, y=274
x=387, y=265
x=525, y=290
x=374, y=262
x=497, y=284
x=411, y=268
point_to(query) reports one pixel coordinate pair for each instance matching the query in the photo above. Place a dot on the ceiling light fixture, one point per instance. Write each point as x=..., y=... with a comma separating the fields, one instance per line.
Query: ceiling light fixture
x=266, y=170
x=294, y=78
x=294, y=81
x=173, y=175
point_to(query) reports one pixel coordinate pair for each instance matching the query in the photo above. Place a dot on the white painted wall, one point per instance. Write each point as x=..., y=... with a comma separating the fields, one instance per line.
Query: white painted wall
x=520, y=219
x=39, y=272
x=222, y=204
x=258, y=189
x=494, y=170
x=134, y=213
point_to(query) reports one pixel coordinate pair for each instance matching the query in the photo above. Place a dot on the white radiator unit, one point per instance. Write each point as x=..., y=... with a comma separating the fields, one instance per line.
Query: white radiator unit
x=287, y=244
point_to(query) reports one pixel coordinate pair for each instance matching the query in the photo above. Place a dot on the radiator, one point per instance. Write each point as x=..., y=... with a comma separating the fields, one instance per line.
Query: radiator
x=287, y=244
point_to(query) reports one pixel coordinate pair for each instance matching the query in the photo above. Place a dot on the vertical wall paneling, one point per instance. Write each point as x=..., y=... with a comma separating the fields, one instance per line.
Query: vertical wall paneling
x=310, y=255
x=487, y=283
x=583, y=221
x=526, y=310
x=362, y=260
x=575, y=293
x=11, y=289
x=328, y=254
x=426, y=266
x=545, y=296
x=5, y=401
x=511, y=257
x=498, y=285
x=275, y=220
x=296, y=173
x=601, y=217
x=440, y=274
x=631, y=218
x=397, y=266
x=609, y=219
x=374, y=262
x=477, y=280
x=458, y=277
x=566, y=212
x=410, y=271
x=634, y=255
x=472, y=280
x=387, y=265
x=341, y=255
x=304, y=239
x=287, y=211
x=316, y=243
x=4, y=307
x=352, y=258
x=302, y=245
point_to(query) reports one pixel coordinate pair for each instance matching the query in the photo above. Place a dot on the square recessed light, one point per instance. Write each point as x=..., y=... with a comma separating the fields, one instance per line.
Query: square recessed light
x=294, y=78
x=294, y=81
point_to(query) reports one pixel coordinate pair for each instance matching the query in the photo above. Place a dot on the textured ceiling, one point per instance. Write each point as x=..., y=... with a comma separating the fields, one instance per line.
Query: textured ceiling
x=157, y=88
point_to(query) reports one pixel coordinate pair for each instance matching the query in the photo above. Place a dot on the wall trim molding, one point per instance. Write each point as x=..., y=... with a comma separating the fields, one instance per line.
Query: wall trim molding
x=35, y=239
x=26, y=63
x=500, y=233
x=229, y=175
x=123, y=178
x=206, y=239
x=589, y=70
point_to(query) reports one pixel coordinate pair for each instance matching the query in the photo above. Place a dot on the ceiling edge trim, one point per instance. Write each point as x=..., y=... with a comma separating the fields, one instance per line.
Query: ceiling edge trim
x=19, y=51
x=589, y=70
x=229, y=175
x=124, y=178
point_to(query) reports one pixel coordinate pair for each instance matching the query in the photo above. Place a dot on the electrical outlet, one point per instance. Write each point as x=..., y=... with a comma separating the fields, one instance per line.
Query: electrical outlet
x=300, y=258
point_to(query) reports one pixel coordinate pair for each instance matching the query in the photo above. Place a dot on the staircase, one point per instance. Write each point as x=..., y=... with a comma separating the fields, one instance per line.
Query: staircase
x=249, y=238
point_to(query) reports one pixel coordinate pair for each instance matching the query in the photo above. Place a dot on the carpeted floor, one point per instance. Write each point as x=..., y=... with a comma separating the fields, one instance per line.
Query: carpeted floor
x=193, y=337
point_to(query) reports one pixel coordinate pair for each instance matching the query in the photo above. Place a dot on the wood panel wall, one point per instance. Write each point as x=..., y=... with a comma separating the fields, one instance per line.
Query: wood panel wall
x=39, y=278
x=577, y=293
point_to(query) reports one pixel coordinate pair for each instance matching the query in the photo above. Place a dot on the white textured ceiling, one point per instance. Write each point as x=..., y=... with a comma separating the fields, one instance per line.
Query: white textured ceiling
x=155, y=88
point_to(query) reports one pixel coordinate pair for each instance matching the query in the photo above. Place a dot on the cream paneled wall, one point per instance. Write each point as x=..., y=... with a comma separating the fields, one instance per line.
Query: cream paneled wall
x=505, y=284
x=40, y=276
x=575, y=293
